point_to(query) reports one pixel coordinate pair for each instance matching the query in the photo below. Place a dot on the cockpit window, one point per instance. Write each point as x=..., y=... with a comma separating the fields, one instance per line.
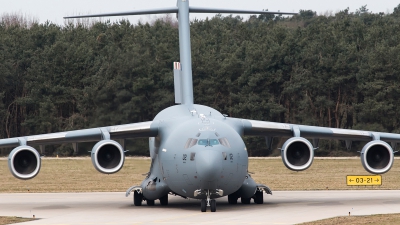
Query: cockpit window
x=208, y=142
x=190, y=143
x=214, y=142
x=203, y=142
x=224, y=142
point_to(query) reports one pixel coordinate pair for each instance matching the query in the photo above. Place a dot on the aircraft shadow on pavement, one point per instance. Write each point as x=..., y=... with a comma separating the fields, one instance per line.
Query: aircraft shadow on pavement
x=222, y=205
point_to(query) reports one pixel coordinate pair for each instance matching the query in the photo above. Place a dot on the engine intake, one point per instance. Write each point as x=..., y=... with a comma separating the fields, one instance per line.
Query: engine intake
x=377, y=157
x=297, y=153
x=24, y=162
x=108, y=156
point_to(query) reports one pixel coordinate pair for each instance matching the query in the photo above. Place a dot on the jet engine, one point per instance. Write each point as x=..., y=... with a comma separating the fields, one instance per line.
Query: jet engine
x=108, y=156
x=24, y=162
x=377, y=157
x=297, y=153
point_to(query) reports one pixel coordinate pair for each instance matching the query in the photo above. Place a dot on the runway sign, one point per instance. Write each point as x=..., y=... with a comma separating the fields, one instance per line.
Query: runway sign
x=361, y=180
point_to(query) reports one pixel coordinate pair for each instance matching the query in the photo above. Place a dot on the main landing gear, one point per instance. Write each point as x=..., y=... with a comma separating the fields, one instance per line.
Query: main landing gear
x=232, y=199
x=138, y=198
x=258, y=196
x=164, y=200
x=258, y=199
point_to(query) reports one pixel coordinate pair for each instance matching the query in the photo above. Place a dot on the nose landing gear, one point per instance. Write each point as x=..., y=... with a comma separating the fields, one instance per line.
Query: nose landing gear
x=208, y=202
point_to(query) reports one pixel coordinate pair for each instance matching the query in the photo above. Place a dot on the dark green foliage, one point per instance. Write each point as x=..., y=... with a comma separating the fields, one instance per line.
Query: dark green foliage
x=337, y=71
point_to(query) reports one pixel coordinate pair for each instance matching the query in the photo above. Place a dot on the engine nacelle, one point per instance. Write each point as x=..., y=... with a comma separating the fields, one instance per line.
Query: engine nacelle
x=377, y=157
x=24, y=162
x=297, y=153
x=108, y=156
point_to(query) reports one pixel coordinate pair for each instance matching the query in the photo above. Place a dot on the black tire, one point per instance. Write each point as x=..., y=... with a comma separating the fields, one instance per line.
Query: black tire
x=259, y=197
x=137, y=198
x=232, y=199
x=203, y=205
x=213, y=205
x=245, y=200
x=150, y=202
x=164, y=200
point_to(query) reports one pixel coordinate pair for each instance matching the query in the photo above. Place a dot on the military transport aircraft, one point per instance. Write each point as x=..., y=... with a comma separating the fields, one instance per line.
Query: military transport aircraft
x=197, y=152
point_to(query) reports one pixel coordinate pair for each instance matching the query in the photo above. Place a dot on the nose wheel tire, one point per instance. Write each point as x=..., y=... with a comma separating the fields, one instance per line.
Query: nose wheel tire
x=137, y=198
x=213, y=205
x=203, y=205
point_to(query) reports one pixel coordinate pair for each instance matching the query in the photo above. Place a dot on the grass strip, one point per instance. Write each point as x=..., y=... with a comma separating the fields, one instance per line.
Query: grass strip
x=79, y=175
x=380, y=219
x=12, y=219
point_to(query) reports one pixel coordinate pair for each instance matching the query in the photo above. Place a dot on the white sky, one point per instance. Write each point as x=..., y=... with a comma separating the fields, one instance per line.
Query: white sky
x=54, y=10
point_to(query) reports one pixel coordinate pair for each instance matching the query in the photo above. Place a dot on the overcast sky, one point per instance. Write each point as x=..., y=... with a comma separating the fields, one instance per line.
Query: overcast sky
x=54, y=10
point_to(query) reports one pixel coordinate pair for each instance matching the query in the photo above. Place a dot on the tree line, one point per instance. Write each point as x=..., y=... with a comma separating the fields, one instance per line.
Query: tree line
x=340, y=70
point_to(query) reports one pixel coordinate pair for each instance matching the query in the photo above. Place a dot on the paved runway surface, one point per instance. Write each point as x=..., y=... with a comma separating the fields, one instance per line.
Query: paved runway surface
x=284, y=207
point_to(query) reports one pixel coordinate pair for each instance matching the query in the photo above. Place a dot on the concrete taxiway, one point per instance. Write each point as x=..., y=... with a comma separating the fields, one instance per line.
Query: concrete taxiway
x=283, y=207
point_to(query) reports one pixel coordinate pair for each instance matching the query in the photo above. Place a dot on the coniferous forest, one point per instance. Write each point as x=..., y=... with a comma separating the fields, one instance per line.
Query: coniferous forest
x=340, y=70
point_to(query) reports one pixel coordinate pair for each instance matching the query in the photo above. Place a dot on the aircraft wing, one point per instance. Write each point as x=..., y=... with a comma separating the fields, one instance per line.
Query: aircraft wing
x=133, y=130
x=272, y=129
x=297, y=152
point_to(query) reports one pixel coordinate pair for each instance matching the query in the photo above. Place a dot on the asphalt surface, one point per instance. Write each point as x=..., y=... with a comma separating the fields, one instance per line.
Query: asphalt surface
x=283, y=207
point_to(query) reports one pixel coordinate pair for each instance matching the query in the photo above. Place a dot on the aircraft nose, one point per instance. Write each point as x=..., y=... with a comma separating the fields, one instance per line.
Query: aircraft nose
x=208, y=164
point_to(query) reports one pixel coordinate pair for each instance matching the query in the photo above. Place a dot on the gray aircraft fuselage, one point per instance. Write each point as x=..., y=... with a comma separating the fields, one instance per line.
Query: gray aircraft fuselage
x=196, y=150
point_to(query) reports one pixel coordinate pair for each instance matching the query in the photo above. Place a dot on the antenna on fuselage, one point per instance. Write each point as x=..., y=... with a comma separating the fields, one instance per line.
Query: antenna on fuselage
x=182, y=9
